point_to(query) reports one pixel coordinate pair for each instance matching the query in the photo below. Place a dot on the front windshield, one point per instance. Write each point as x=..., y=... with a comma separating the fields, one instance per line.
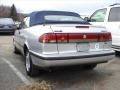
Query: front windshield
x=6, y=21
x=63, y=18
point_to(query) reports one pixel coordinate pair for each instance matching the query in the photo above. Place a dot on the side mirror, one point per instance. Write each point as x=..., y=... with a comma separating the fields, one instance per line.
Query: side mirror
x=87, y=19
x=21, y=25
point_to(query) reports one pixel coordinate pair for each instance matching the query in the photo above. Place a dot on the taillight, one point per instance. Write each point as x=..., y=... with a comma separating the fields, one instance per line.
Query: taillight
x=74, y=37
x=61, y=38
x=47, y=38
x=53, y=38
x=83, y=37
x=105, y=37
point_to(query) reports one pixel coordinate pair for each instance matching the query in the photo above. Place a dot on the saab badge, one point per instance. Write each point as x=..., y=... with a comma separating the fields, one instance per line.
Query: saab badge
x=84, y=36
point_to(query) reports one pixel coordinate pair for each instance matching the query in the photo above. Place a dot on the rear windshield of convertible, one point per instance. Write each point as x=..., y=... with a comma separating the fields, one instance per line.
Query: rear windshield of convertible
x=63, y=18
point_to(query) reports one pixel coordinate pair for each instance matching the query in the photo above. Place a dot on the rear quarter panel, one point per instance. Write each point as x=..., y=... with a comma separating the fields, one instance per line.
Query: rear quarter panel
x=32, y=39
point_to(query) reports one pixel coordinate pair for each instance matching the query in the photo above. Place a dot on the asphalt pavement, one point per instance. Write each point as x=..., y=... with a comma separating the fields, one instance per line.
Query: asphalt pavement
x=13, y=75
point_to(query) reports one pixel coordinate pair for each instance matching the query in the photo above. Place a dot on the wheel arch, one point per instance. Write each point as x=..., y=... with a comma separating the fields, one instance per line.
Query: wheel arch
x=25, y=47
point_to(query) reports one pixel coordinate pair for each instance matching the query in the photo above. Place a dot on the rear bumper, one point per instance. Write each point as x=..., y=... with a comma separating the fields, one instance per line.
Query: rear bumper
x=70, y=59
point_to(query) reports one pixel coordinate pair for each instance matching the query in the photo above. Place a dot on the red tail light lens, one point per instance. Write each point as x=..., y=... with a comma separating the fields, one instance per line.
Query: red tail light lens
x=47, y=38
x=74, y=37
x=105, y=37
x=51, y=38
x=83, y=37
x=62, y=37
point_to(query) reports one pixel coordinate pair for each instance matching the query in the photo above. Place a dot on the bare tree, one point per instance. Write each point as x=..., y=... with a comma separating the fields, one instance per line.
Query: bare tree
x=7, y=12
x=4, y=11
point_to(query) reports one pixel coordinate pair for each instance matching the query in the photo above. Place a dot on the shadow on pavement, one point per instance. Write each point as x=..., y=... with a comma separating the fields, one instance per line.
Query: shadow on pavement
x=117, y=53
x=74, y=77
x=6, y=34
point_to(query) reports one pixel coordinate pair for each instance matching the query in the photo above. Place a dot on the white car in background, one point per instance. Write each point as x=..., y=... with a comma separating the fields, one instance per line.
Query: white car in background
x=108, y=17
x=59, y=38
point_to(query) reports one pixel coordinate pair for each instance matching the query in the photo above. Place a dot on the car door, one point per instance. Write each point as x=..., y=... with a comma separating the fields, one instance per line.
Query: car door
x=113, y=25
x=20, y=35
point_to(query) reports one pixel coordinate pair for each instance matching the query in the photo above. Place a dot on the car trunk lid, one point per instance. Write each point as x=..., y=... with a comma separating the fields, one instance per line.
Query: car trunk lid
x=78, y=38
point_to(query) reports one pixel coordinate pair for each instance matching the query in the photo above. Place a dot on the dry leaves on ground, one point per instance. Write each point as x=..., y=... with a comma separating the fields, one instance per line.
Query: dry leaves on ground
x=36, y=86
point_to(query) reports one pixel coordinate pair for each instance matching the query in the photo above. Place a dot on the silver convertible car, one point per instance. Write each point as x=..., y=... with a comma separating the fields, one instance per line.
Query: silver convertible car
x=59, y=38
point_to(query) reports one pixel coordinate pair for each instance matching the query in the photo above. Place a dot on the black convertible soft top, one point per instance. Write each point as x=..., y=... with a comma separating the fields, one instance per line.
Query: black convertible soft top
x=37, y=17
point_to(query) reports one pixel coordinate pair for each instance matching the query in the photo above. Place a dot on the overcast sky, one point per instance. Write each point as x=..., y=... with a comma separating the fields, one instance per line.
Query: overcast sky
x=79, y=6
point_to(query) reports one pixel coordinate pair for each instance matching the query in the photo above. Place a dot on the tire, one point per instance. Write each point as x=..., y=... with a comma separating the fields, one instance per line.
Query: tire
x=90, y=67
x=31, y=69
x=117, y=53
